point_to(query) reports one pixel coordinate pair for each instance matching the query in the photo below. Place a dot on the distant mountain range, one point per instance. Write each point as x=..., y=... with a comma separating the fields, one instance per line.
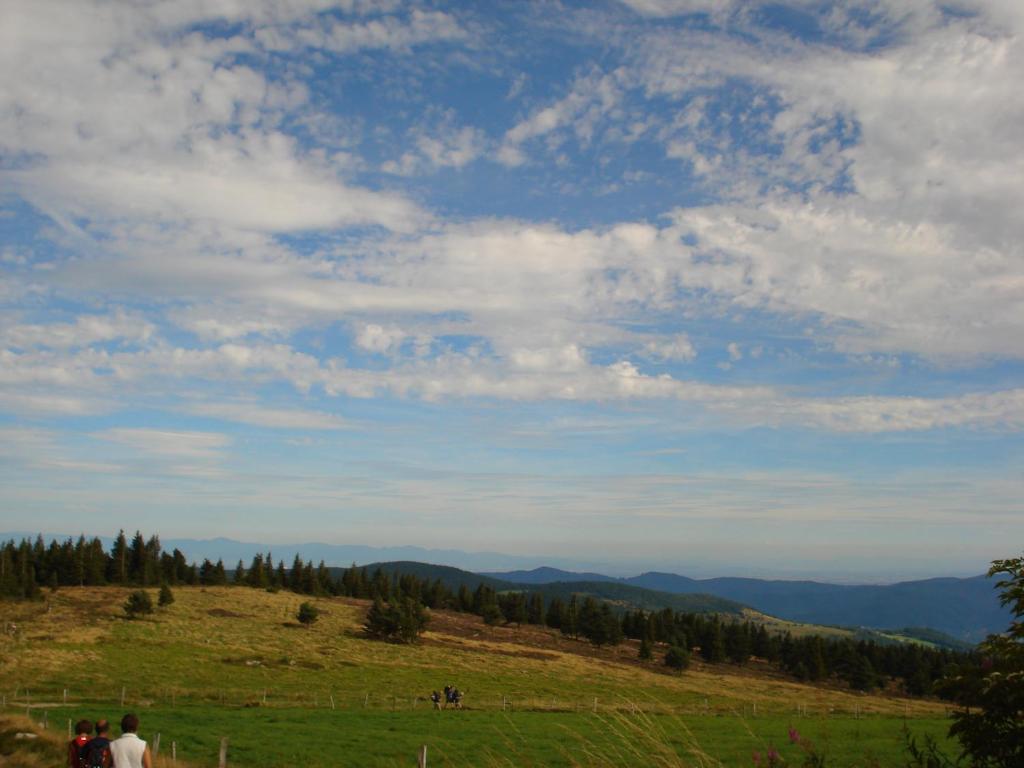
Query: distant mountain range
x=614, y=591
x=967, y=609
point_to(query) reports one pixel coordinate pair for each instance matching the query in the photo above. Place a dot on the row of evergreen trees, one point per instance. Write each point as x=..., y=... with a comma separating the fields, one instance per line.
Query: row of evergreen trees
x=863, y=664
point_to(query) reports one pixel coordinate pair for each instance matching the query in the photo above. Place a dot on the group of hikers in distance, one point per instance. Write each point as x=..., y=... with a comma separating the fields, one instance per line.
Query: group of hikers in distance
x=452, y=695
x=100, y=751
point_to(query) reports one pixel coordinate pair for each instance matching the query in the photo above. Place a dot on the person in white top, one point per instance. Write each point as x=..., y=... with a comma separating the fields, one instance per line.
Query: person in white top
x=130, y=751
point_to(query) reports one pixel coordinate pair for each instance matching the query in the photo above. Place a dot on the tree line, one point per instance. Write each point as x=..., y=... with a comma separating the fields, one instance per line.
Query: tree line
x=399, y=600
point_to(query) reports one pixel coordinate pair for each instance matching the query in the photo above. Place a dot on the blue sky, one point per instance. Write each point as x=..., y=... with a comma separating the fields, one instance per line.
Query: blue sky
x=696, y=285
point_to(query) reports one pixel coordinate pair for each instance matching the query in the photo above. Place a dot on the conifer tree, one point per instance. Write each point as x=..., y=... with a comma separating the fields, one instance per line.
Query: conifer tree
x=535, y=608
x=556, y=610
x=645, y=649
x=138, y=603
x=166, y=596
x=118, y=573
x=308, y=613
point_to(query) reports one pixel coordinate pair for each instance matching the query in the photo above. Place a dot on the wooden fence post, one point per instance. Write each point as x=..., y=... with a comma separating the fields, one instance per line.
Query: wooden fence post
x=366, y=701
x=332, y=701
x=65, y=696
x=70, y=734
x=421, y=759
x=223, y=753
x=156, y=745
x=122, y=697
x=174, y=753
x=595, y=704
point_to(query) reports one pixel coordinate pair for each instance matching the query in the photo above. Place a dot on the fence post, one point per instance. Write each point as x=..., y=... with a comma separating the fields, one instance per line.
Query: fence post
x=421, y=759
x=366, y=701
x=332, y=700
x=174, y=753
x=70, y=734
x=65, y=696
x=122, y=697
x=156, y=745
x=595, y=704
x=46, y=719
x=223, y=753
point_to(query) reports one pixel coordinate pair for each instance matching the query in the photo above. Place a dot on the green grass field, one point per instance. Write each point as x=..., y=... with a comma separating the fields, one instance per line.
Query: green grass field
x=233, y=663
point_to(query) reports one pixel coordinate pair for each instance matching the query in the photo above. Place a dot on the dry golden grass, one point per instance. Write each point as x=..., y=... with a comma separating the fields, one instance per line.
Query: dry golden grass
x=232, y=644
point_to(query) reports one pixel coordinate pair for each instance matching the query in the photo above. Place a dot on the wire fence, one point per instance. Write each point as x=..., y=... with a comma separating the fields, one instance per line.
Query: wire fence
x=39, y=700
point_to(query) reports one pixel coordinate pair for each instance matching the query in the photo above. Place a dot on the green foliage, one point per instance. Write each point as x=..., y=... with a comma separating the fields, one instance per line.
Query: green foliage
x=677, y=658
x=645, y=652
x=308, y=613
x=138, y=603
x=990, y=727
x=491, y=613
x=166, y=596
x=402, y=621
x=927, y=755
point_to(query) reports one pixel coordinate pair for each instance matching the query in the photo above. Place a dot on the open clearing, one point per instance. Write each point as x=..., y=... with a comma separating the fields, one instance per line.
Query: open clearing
x=232, y=662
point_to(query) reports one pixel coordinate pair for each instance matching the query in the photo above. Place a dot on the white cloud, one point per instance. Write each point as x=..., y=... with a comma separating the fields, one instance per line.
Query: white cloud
x=675, y=348
x=169, y=443
x=377, y=338
x=259, y=415
x=590, y=98
x=84, y=331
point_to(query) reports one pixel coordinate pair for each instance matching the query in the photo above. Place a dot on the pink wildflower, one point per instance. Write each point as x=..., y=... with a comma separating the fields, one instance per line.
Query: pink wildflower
x=794, y=736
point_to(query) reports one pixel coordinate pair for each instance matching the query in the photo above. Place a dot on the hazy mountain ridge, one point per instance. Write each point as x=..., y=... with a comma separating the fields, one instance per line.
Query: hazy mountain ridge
x=625, y=595
x=967, y=609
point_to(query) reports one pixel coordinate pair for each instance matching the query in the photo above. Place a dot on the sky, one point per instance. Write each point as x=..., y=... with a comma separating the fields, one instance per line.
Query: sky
x=707, y=286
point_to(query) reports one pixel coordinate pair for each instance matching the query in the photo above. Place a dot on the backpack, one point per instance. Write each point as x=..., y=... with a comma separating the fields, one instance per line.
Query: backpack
x=76, y=751
x=95, y=754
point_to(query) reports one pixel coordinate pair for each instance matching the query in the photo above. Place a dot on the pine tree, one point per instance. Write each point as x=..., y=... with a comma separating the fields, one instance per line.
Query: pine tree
x=535, y=608
x=118, y=573
x=239, y=577
x=308, y=613
x=555, y=613
x=166, y=596
x=677, y=658
x=138, y=603
x=645, y=649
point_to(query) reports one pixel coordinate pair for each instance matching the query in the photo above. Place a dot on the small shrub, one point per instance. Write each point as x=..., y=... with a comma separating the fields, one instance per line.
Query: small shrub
x=166, y=596
x=138, y=603
x=308, y=613
x=677, y=658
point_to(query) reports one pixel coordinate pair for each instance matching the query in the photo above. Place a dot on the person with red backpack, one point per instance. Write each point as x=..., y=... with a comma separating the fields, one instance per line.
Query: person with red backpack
x=77, y=745
x=96, y=754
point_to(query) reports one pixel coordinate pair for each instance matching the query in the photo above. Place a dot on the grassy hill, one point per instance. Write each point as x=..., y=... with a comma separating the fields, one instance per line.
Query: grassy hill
x=232, y=662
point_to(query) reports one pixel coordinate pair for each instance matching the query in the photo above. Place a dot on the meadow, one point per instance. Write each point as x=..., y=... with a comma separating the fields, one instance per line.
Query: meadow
x=234, y=663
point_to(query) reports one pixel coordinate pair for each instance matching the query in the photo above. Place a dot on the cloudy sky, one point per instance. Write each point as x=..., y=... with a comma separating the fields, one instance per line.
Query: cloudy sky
x=703, y=285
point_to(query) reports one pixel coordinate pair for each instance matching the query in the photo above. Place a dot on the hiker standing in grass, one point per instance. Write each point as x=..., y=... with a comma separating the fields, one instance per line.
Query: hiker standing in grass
x=76, y=747
x=96, y=754
x=130, y=751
